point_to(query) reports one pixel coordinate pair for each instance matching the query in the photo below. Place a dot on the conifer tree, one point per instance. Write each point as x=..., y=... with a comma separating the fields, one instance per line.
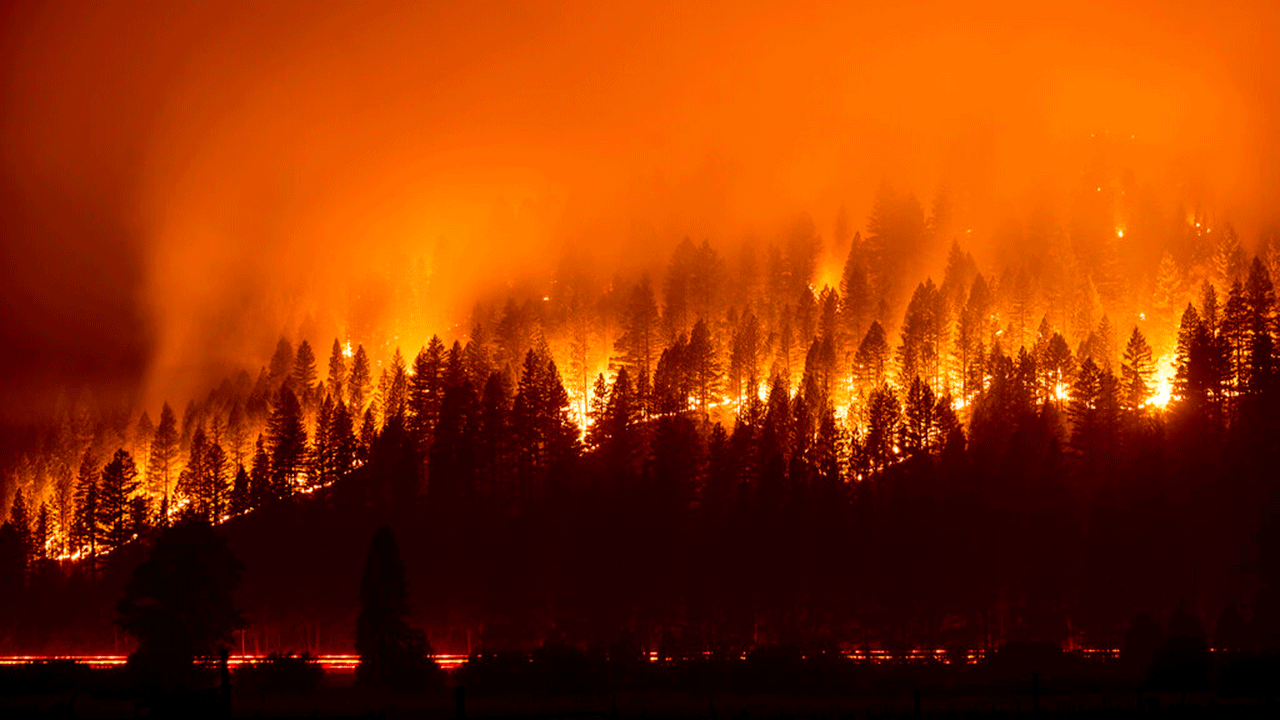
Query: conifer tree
x=1136, y=370
x=426, y=393
x=919, y=353
x=358, y=382
x=304, y=371
x=368, y=434
x=1228, y=256
x=744, y=361
x=703, y=366
x=20, y=522
x=84, y=525
x=164, y=451
x=1209, y=308
x=919, y=432
x=260, y=484
x=337, y=380
x=871, y=362
x=240, y=501
x=281, y=365
x=393, y=655
x=1234, y=338
x=884, y=424
x=638, y=344
x=287, y=440
x=42, y=535
x=1260, y=304
x=119, y=483
x=396, y=396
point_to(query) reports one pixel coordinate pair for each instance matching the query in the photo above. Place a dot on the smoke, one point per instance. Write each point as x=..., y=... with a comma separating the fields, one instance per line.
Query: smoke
x=185, y=181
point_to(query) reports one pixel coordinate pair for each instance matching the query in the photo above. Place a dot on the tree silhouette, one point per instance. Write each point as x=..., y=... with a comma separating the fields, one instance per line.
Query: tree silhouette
x=287, y=439
x=119, y=483
x=1136, y=370
x=336, y=383
x=164, y=451
x=179, y=602
x=638, y=344
x=20, y=522
x=393, y=654
x=85, y=534
x=358, y=381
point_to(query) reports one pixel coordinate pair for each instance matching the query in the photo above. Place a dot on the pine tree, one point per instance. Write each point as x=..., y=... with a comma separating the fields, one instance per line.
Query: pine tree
x=744, y=361
x=42, y=535
x=492, y=456
x=920, y=431
x=884, y=425
x=543, y=435
x=1260, y=309
x=287, y=440
x=1136, y=370
x=855, y=290
x=677, y=288
x=240, y=501
x=304, y=372
x=85, y=535
x=119, y=483
x=237, y=435
x=396, y=396
x=1209, y=309
x=20, y=522
x=872, y=359
x=919, y=353
x=704, y=366
x=1234, y=336
x=358, y=382
x=1228, y=256
x=260, y=485
x=426, y=393
x=1198, y=382
x=192, y=476
x=393, y=655
x=281, y=364
x=638, y=345
x=215, y=490
x=164, y=451
x=337, y=381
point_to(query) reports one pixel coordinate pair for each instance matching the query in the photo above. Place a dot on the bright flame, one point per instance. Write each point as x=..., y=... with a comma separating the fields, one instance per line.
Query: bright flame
x=1163, y=383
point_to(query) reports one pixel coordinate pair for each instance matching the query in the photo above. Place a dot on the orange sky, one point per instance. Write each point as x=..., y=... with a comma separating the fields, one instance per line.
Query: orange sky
x=182, y=180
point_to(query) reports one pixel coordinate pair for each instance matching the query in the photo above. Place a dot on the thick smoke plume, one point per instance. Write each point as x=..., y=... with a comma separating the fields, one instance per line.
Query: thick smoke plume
x=182, y=183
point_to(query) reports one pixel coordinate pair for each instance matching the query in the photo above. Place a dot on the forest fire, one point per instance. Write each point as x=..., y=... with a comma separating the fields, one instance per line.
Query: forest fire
x=619, y=341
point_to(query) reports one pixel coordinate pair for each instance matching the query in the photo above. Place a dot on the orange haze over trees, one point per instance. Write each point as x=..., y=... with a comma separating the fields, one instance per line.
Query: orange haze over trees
x=969, y=306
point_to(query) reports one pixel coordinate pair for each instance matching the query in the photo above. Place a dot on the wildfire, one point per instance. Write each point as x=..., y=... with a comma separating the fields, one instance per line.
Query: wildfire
x=1163, y=383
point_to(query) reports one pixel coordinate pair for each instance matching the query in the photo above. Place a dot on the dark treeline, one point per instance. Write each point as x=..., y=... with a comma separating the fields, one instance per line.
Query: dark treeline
x=985, y=460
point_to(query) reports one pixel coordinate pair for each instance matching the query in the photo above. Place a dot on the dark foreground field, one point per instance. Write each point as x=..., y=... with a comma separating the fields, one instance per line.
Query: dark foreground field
x=574, y=687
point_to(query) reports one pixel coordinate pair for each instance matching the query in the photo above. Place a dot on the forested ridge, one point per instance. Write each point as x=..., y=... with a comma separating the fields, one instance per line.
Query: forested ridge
x=1053, y=449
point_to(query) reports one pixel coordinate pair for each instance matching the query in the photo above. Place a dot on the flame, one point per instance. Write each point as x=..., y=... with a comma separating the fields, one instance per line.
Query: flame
x=1165, y=370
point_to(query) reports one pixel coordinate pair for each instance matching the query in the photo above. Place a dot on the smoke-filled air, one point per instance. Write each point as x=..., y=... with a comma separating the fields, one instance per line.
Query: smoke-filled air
x=687, y=332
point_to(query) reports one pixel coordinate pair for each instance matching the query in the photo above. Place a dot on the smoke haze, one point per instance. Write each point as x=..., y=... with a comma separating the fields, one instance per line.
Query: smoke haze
x=183, y=181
